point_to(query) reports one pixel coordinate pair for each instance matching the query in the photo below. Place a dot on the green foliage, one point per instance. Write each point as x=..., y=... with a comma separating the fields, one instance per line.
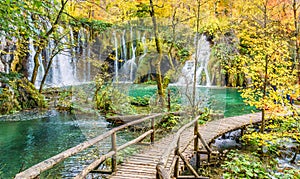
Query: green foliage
x=204, y=116
x=140, y=101
x=244, y=166
x=168, y=122
x=150, y=82
x=252, y=165
x=17, y=93
x=108, y=98
x=142, y=11
x=280, y=129
x=183, y=54
x=94, y=25
x=65, y=100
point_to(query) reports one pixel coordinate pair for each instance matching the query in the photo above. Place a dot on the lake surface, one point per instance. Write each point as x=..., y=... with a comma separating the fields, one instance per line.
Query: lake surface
x=25, y=143
x=227, y=101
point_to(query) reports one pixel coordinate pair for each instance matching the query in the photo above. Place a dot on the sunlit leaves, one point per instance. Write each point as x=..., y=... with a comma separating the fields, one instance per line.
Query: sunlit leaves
x=265, y=51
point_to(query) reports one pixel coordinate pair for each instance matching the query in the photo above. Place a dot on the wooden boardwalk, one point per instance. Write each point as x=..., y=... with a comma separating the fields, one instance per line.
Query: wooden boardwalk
x=143, y=165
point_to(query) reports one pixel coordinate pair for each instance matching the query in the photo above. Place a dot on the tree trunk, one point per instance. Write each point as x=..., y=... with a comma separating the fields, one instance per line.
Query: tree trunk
x=46, y=72
x=159, y=80
x=19, y=63
x=44, y=41
x=296, y=34
x=263, y=116
x=196, y=60
x=36, y=63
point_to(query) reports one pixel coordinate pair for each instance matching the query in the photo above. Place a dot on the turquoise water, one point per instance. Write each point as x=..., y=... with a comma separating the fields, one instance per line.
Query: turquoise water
x=227, y=101
x=25, y=143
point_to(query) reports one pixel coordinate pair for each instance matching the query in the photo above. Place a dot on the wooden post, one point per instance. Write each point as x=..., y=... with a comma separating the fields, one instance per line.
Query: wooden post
x=114, y=148
x=196, y=143
x=176, y=168
x=243, y=129
x=152, y=137
x=169, y=100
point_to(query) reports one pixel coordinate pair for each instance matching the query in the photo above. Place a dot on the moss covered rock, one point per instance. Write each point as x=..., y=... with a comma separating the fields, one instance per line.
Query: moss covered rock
x=17, y=93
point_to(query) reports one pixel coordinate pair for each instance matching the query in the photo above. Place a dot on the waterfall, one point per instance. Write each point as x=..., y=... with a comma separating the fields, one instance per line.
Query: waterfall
x=143, y=40
x=128, y=70
x=88, y=70
x=62, y=69
x=132, y=64
x=124, y=45
x=73, y=52
x=116, y=65
x=203, y=55
x=3, y=42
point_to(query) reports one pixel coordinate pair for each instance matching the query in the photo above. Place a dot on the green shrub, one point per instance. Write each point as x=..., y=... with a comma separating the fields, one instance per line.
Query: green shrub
x=244, y=166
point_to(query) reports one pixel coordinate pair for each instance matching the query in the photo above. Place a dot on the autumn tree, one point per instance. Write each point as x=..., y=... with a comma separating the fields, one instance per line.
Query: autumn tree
x=265, y=52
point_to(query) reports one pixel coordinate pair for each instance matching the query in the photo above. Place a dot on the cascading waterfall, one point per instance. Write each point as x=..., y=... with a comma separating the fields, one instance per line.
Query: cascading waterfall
x=75, y=64
x=128, y=70
x=143, y=40
x=73, y=52
x=63, y=67
x=116, y=60
x=87, y=58
x=3, y=42
x=124, y=45
x=203, y=55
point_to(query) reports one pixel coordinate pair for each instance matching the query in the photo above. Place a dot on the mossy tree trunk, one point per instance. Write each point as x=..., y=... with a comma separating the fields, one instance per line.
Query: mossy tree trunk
x=20, y=60
x=159, y=80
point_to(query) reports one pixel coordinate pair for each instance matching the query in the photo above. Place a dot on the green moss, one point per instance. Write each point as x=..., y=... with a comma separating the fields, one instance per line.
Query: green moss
x=17, y=93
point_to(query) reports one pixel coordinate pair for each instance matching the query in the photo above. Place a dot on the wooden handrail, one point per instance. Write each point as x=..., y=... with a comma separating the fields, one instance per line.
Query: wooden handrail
x=37, y=169
x=97, y=162
x=161, y=171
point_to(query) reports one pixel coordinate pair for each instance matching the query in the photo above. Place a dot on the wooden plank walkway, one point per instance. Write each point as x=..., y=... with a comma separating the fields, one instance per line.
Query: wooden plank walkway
x=143, y=165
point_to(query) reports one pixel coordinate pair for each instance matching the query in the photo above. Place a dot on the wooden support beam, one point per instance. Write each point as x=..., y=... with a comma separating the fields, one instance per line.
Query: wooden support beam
x=102, y=171
x=152, y=137
x=174, y=163
x=191, y=169
x=114, y=148
x=204, y=143
x=161, y=173
x=93, y=165
x=196, y=143
x=97, y=162
x=176, y=168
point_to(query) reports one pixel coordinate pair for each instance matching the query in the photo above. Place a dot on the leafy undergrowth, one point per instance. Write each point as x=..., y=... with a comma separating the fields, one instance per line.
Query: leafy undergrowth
x=253, y=165
x=262, y=152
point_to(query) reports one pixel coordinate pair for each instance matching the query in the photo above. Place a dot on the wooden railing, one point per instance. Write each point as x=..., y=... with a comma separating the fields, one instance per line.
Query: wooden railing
x=37, y=169
x=162, y=172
